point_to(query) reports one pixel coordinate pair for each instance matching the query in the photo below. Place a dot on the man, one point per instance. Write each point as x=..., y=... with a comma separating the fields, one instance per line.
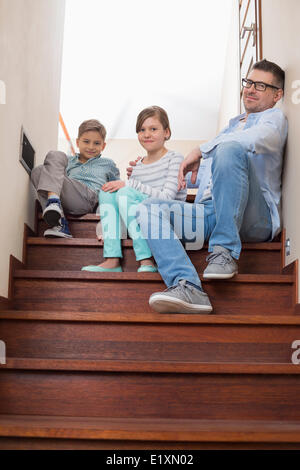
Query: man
x=240, y=190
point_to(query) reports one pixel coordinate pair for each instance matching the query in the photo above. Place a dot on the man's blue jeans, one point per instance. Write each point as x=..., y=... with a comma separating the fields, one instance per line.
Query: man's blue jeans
x=237, y=211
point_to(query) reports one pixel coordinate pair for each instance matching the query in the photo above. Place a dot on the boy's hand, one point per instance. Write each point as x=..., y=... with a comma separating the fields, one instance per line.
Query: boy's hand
x=190, y=163
x=113, y=186
x=130, y=168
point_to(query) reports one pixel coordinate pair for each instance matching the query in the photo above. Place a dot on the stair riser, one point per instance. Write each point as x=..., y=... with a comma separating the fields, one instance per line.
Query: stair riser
x=70, y=258
x=123, y=395
x=148, y=342
x=132, y=297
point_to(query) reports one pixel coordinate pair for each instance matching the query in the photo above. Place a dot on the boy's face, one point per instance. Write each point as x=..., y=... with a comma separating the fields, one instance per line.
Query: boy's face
x=90, y=145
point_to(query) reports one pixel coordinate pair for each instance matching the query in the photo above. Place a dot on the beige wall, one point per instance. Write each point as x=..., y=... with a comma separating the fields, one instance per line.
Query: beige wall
x=281, y=44
x=31, y=34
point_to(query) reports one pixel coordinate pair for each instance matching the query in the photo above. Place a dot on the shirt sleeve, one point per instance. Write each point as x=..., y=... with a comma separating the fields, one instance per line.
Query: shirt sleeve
x=264, y=137
x=114, y=173
x=170, y=185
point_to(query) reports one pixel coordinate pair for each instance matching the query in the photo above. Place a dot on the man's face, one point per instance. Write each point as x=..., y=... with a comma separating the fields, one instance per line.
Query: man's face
x=257, y=101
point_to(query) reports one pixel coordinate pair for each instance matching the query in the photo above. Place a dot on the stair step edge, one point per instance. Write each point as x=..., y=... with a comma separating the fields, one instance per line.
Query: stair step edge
x=179, y=367
x=149, y=318
x=42, y=241
x=134, y=276
x=64, y=427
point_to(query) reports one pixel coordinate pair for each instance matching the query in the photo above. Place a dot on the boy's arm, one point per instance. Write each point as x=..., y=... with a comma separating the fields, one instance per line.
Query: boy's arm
x=170, y=186
x=114, y=173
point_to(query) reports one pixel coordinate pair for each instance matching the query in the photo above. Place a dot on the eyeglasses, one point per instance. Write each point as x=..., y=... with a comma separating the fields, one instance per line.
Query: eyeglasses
x=259, y=86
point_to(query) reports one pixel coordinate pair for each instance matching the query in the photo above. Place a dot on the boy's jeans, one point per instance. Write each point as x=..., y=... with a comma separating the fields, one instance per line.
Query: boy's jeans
x=237, y=210
x=122, y=203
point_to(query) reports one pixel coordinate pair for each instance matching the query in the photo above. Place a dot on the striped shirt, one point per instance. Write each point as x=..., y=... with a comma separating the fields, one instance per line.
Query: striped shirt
x=159, y=179
x=94, y=173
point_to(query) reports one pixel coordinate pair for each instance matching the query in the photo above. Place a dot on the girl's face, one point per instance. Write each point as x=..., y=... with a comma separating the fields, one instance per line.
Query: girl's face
x=152, y=135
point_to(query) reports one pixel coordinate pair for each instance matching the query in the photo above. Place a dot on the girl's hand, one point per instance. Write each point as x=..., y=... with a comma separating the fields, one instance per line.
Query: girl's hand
x=113, y=186
x=130, y=168
x=190, y=163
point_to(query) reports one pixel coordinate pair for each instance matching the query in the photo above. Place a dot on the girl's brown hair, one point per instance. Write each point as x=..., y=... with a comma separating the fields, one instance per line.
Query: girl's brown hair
x=152, y=111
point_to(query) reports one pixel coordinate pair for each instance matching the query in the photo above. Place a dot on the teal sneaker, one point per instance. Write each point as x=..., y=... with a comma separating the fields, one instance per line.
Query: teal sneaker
x=100, y=269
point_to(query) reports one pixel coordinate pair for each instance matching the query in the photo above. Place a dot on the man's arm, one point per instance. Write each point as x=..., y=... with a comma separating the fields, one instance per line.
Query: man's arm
x=264, y=137
x=190, y=163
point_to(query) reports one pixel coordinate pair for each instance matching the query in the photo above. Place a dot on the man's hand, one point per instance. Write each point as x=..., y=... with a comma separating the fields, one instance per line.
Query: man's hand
x=130, y=168
x=190, y=163
x=113, y=186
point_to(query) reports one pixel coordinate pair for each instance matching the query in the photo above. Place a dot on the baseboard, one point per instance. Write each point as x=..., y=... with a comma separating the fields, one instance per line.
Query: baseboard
x=5, y=304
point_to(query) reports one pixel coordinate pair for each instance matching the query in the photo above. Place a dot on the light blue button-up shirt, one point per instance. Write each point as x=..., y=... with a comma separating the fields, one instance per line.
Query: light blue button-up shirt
x=94, y=173
x=263, y=137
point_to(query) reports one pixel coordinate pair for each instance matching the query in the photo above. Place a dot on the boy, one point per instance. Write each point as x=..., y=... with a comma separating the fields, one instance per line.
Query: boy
x=72, y=184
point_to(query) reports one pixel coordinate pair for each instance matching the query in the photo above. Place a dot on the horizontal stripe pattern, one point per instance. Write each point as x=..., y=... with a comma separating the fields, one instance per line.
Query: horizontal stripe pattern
x=159, y=179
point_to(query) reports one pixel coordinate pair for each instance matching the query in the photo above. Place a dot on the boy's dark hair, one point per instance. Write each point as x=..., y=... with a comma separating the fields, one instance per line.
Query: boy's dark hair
x=92, y=125
x=152, y=111
x=277, y=72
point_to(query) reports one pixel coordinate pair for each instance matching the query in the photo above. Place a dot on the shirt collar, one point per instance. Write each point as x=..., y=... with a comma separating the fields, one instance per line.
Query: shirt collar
x=90, y=159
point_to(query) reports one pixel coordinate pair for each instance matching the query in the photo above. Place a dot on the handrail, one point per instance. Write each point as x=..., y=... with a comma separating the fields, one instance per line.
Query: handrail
x=66, y=134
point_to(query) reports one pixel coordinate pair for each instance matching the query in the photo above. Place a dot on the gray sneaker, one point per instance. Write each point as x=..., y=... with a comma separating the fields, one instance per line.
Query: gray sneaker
x=220, y=264
x=182, y=298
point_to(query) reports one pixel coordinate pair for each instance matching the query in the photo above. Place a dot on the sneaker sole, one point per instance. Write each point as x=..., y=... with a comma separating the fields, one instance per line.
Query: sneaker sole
x=57, y=235
x=219, y=276
x=163, y=304
x=52, y=218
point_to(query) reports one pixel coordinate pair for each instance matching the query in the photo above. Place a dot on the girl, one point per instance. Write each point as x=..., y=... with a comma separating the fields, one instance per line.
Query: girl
x=155, y=175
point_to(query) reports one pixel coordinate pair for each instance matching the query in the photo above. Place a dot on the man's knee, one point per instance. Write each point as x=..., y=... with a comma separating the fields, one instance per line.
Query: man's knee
x=230, y=150
x=228, y=154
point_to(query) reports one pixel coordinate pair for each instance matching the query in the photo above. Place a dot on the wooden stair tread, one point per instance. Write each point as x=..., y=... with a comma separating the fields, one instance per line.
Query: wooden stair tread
x=74, y=316
x=43, y=241
x=147, y=429
x=85, y=217
x=166, y=367
x=134, y=276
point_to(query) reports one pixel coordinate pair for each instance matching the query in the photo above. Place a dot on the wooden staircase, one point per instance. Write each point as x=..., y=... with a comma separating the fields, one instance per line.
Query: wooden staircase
x=91, y=366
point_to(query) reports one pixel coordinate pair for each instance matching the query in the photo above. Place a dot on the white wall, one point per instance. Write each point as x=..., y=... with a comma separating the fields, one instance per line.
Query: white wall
x=31, y=35
x=230, y=96
x=281, y=44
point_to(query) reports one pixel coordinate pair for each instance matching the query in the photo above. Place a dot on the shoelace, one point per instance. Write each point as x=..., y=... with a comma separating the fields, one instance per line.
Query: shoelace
x=64, y=225
x=53, y=201
x=220, y=258
x=183, y=287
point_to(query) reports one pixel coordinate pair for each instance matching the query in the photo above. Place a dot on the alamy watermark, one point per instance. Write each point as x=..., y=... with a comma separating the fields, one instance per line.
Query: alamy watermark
x=2, y=352
x=163, y=221
x=2, y=92
x=296, y=354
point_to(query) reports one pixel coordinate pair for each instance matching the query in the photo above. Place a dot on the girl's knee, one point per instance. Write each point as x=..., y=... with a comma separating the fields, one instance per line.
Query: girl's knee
x=106, y=197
